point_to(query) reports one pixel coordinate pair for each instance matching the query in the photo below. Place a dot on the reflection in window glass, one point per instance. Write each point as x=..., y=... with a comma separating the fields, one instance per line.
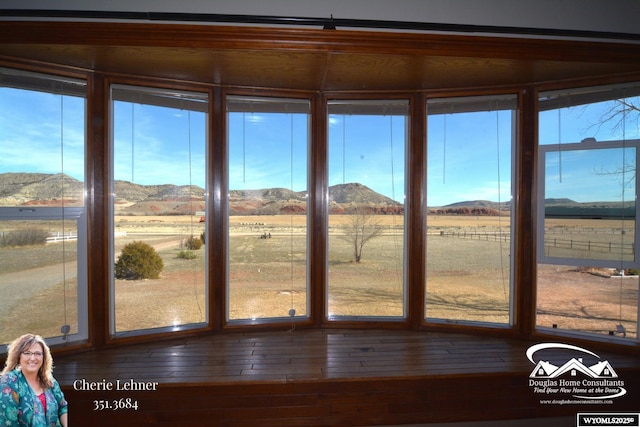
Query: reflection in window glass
x=158, y=209
x=588, y=204
x=268, y=141
x=367, y=143
x=469, y=232
x=587, y=278
x=42, y=214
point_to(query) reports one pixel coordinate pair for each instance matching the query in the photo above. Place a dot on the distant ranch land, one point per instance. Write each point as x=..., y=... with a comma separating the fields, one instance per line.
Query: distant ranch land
x=462, y=284
x=168, y=222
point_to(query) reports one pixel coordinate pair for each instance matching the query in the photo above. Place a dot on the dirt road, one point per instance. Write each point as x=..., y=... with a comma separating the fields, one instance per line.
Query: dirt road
x=18, y=287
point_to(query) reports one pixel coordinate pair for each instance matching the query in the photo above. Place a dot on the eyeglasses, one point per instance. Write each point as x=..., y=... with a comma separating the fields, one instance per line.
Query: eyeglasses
x=37, y=354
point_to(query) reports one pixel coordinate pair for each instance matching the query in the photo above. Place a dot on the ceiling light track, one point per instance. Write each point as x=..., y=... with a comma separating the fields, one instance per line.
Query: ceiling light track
x=330, y=23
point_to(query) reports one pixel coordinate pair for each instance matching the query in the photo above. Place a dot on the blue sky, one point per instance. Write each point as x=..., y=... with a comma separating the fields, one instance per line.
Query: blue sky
x=32, y=128
x=469, y=157
x=584, y=175
x=590, y=175
x=270, y=150
x=165, y=146
x=369, y=150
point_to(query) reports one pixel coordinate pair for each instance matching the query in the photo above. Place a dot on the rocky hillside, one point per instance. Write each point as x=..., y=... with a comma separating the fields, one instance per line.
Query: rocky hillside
x=473, y=208
x=37, y=189
x=20, y=189
x=354, y=197
x=343, y=198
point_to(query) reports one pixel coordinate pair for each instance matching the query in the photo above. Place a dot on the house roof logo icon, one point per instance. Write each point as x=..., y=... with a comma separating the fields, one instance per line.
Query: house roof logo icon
x=594, y=380
x=545, y=369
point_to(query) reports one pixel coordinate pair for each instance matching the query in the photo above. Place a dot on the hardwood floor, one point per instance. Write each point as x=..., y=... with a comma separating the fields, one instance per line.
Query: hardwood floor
x=313, y=377
x=297, y=355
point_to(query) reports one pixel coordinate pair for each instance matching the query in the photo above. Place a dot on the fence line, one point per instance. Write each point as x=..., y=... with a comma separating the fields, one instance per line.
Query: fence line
x=572, y=244
x=495, y=236
x=589, y=230
x=591, y=246
x=59, y=237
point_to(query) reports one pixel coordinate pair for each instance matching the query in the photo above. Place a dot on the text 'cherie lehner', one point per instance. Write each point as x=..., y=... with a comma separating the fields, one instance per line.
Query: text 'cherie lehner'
x=119, y=385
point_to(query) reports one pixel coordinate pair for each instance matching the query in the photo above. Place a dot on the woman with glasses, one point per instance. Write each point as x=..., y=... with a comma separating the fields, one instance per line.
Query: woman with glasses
x=29, y=395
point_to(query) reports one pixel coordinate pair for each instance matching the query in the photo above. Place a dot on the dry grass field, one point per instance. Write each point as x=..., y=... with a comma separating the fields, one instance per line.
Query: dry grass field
x=583, y=300
x=468, y=278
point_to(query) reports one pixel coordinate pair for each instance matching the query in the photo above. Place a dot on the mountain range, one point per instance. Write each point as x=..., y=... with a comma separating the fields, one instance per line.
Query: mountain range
x=29, y=189
x=38, y=189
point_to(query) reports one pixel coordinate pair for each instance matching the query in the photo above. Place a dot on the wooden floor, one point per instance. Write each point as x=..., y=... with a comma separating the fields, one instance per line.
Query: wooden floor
x=311, y=377
x=299, y=355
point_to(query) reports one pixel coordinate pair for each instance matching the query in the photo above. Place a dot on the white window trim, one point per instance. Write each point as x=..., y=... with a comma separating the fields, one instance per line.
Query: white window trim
x=59, y=213
x=542, y=258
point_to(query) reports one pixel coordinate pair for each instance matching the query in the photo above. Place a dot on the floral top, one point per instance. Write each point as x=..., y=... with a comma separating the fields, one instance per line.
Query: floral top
x=19, y=405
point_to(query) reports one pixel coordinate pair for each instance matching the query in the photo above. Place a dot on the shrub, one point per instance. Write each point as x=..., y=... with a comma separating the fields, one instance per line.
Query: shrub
x=193, y=243
x=28, y=237
x=187, y=255
x=138, y=260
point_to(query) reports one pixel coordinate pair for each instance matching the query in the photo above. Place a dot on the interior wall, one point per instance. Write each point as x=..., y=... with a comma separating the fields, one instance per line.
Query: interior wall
x=615, y=16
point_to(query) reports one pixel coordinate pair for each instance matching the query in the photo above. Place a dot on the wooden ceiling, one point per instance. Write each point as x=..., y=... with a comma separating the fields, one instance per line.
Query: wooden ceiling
x=313, y=60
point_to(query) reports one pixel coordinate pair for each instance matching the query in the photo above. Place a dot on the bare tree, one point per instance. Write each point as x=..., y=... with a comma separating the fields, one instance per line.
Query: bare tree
x=620, y=110
x=618, y=113
x=362, y=228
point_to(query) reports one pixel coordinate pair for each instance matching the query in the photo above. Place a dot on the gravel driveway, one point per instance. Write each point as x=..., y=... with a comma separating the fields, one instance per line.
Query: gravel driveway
x=18, y=287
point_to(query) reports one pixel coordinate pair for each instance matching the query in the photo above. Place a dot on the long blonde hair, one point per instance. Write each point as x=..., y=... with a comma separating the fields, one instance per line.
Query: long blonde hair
x=22, y=344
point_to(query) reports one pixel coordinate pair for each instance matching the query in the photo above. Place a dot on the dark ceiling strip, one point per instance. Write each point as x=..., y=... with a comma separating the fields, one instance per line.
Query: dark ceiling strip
x=326, y=23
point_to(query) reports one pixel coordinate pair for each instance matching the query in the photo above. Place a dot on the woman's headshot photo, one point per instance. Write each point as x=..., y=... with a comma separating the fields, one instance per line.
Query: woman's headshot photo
x=29, y=394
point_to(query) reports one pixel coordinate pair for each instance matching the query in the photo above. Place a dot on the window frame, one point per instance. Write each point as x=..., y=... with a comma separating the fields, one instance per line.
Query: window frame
x=558, y=97
x=587, y=145
x=267, y=103
x=61, y=214
x=157, y=95
x=390, y=106
x=470, y=103
x=74, y=86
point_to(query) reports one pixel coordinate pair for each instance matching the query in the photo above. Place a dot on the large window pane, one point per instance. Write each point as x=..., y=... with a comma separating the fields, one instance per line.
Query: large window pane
x=367, y=141
x=43, y=281
x=469, y=185
x=158, y=209
x=268, y=141
x=587, y=203
x=589, y=208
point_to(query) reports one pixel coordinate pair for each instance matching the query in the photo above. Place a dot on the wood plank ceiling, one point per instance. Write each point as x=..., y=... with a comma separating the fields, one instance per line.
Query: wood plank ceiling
x=313, y=60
